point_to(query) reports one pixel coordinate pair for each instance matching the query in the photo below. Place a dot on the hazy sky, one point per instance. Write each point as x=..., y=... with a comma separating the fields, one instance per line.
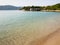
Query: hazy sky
x=28, y=2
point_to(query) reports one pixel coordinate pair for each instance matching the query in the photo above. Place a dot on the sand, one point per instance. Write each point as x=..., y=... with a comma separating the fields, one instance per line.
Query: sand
x=51, y=39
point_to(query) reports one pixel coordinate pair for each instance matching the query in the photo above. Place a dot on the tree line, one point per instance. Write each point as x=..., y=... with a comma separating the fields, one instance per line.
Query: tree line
x=52, y=7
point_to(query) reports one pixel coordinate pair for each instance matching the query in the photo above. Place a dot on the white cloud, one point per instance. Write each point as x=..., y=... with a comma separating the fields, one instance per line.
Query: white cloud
x=28, y=2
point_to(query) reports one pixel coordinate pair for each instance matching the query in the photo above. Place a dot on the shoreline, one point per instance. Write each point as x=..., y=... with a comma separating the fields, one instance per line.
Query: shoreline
x=51, y=39
x=51, y=10
x=45, y=10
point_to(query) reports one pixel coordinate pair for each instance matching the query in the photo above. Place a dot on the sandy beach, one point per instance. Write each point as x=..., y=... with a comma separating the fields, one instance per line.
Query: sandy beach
x=51, y=39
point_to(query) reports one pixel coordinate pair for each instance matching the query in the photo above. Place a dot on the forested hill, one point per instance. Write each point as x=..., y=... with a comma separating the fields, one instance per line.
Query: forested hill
x=53, y=7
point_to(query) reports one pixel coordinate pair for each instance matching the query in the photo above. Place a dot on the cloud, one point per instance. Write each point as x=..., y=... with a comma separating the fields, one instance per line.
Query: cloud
x=28, y=2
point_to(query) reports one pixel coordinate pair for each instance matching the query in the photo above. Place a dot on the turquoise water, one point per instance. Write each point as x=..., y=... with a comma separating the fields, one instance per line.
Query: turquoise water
x=27, y=24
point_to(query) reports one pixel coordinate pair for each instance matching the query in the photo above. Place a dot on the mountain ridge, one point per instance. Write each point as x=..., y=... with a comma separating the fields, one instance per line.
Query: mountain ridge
x=9, y=7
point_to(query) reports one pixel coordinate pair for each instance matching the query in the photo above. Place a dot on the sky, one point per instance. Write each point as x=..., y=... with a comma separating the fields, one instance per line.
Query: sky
x=29, y=2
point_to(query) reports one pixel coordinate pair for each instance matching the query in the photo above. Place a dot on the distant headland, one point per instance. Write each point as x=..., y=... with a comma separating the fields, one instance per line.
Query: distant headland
x=9, y=7
x=55, y=7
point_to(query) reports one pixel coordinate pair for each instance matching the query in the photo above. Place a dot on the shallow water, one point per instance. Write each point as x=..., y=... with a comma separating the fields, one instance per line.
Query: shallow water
x=22, y=27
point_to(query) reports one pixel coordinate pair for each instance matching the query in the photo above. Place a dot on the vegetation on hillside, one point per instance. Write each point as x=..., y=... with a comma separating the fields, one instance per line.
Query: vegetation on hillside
x=34, y=7
x=53, y=7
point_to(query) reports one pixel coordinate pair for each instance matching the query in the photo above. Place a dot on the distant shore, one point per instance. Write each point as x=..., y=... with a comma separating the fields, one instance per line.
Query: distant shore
x=51, y=10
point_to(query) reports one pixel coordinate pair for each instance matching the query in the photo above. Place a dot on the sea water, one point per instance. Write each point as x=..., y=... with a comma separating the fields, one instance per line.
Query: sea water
x=23, y=27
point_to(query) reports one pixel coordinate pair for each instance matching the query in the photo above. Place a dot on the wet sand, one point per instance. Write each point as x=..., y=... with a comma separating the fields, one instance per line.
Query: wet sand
x=51, y=39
